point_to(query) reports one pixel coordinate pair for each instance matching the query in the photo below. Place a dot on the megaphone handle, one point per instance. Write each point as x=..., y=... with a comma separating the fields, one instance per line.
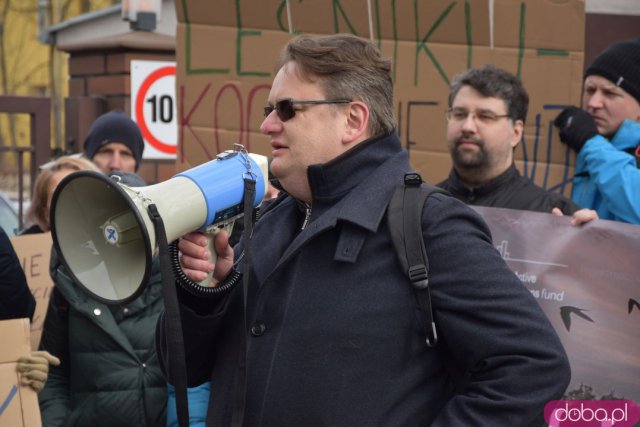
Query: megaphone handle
x=211, y=234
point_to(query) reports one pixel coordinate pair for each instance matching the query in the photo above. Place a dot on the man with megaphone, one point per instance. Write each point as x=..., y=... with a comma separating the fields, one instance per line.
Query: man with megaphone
x=325, y=328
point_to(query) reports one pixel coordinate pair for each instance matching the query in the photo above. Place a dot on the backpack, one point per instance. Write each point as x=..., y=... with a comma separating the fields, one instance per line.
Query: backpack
x=404, y=217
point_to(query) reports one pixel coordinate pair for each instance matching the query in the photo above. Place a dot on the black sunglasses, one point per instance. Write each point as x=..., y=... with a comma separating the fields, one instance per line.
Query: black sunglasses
x=285, y=110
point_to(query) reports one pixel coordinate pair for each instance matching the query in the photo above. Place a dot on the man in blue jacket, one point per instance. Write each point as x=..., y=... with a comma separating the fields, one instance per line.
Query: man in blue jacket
x=333, y=330
x=605, y=134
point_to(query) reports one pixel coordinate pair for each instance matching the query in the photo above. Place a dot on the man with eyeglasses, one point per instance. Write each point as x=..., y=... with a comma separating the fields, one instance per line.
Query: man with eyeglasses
x=333, y=330
x=486, y=116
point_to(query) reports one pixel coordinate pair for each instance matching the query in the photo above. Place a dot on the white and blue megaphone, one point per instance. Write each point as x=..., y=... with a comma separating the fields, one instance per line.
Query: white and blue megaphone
x=103, y=232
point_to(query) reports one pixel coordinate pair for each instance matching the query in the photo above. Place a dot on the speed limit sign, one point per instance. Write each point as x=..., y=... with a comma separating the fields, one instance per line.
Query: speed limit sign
x=153, y=106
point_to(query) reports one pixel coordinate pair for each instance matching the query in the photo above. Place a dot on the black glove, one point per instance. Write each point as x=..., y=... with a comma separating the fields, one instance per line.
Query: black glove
x=576, y=127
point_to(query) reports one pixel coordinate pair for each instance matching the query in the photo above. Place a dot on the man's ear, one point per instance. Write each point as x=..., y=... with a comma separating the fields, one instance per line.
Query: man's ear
x=356, y=124
x=518, y=131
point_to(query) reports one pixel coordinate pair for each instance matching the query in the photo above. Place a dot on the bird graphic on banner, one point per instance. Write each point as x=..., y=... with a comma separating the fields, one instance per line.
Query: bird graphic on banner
x=566, y=311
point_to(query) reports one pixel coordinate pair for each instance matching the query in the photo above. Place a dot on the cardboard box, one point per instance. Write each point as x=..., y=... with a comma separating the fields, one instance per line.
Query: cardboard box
x=34, y=253
x=18, y=404
x=226, y=51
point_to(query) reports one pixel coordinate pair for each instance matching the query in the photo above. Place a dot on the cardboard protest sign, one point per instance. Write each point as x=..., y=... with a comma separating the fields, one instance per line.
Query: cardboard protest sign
x=225, y=51
x=18, y=404
x=586, y=281
x=34, y=253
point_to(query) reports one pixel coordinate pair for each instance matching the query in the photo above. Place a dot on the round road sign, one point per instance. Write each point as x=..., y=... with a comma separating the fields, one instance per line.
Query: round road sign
x=155, y=109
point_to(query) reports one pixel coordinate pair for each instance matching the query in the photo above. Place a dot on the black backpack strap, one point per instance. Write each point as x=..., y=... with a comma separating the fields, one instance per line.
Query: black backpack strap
x=404, y=217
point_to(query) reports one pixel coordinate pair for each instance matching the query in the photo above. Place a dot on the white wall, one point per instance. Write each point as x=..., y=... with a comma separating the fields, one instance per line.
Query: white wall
x=615, y=7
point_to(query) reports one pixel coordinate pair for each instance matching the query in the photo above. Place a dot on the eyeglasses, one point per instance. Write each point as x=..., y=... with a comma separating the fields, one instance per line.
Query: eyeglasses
x=285, y=110
x=482, y=116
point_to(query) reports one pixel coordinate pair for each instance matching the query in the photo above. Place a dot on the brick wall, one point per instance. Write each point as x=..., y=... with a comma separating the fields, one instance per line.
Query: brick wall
x=99, y=76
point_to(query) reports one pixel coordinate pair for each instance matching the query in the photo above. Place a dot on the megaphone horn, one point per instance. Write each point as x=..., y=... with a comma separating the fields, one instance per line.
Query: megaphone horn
x=105, y=237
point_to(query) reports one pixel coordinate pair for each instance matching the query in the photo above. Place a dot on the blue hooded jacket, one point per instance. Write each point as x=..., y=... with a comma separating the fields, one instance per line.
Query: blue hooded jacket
x=607, y=178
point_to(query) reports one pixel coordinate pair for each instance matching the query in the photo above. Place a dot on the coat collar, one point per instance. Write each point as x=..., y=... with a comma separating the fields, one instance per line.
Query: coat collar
x=355, y=188
x=99, y=313
x=351, y=185
x=627, y=136
x=457, y=187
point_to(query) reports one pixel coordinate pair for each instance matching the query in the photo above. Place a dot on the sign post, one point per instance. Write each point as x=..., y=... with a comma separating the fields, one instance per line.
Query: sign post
x=153, y=107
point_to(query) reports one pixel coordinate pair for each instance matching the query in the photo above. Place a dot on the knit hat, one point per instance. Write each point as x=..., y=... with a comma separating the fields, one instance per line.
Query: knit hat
x=620, y=64
x=114, y=126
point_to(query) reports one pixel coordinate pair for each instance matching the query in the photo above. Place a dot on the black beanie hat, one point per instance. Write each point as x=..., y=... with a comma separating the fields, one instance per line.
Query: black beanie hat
x=114, y=126
x=620, y=64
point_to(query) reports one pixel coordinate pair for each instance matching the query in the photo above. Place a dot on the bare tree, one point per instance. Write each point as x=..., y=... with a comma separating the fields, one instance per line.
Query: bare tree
x=4, y=67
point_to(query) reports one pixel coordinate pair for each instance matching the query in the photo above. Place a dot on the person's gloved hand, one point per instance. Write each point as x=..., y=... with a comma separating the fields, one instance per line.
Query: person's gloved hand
x=576, y=127
x=34, y=368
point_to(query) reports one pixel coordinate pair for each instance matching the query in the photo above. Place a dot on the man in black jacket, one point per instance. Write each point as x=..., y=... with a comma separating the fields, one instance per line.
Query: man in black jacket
x=487, y=111
x=333, y=331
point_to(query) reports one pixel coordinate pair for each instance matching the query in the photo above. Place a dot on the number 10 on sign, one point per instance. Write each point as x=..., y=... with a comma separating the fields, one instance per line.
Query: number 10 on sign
x=153, y=106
